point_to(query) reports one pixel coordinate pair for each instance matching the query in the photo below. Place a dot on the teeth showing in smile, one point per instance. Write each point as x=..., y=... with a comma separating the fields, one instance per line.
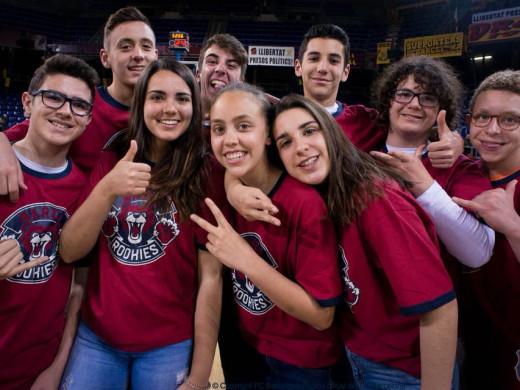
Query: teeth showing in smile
x=169, y=121
x=217, y=83
x=235, y=155
x=60, y=125
x=308, y=162
x=136, y=68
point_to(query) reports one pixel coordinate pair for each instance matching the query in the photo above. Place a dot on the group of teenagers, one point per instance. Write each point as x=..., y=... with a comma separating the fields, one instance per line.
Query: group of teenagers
x=322, y=245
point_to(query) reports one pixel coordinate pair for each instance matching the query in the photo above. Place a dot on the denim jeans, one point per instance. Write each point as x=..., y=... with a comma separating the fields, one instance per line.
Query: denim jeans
x=93, y=364
x=284, y=376
x=369, y=375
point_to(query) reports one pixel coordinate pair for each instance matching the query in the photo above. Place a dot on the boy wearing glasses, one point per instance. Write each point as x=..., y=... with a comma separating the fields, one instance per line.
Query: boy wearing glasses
x=128, y=46
x=493, y=340
x=34, y=284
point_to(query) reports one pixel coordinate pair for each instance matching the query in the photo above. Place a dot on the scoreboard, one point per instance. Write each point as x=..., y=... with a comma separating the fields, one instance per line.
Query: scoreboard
x=179, y=40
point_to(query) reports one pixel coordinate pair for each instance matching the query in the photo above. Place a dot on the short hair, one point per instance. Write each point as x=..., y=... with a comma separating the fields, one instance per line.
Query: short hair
x=123, y=15
x=66, y=65
x=432, y=74
x=329, y=31
x=230, y=44
x=505, y=80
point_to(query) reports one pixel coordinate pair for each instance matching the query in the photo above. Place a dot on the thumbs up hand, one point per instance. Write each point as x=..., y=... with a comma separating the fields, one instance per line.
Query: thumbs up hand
x=128, y=177
x=444, y=152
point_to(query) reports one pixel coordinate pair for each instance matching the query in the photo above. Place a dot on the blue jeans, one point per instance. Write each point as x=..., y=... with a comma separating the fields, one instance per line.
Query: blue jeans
x=369, y=375
x=93, y=364
x=284, y=376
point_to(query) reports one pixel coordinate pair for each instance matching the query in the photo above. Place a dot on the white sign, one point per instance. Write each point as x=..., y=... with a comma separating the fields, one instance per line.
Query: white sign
x=271, y=56
x=496, y=15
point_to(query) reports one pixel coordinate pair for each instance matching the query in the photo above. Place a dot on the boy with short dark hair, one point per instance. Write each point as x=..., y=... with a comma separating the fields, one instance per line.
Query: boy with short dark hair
x=128, y=46
x=34, y=284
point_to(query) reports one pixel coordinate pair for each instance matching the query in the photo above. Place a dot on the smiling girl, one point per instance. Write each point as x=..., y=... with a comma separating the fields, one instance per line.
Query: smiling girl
x=285, y=279
x=401, y=326
x=153, y=301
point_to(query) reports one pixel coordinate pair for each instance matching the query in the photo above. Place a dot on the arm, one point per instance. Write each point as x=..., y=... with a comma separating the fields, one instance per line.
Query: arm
x=11, y=176
x=454, y=225
x=232, y=250
x=207, y=319
x=10, y=257
x=438, y=340
x=51, y=377
x=81, y=231
x=250, y=202
x=444, y=152
x=497, y=208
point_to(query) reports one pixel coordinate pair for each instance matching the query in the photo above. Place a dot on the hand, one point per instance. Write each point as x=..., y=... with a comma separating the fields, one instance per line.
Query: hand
x=496, y=207
x=11, y=175
x=250, y=202
x=223, y=241
x=408, y=167
x=444, y=152
x=47, y=380
x=10, y=257
x=127, y=177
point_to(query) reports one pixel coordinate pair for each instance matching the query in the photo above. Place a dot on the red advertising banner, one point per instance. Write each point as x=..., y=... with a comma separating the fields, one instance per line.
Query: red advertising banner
x=493, y=30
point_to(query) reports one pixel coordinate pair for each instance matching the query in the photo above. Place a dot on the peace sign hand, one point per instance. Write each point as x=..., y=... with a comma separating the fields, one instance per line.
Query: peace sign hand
x=223, y=241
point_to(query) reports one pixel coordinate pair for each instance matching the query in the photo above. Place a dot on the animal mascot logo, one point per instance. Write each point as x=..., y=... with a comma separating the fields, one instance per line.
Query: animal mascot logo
x=36, y=227
x=247, y=295
x=351, y=292
x=136, y=234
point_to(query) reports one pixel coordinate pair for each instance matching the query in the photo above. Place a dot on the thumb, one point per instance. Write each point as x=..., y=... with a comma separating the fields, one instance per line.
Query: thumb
x=418, y=152
x=511, y=186
x=132, y=151
x=442, y=127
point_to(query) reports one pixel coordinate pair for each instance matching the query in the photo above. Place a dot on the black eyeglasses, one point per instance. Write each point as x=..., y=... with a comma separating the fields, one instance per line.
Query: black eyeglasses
x=55, y=99
x=426, y=99
x=508, y=122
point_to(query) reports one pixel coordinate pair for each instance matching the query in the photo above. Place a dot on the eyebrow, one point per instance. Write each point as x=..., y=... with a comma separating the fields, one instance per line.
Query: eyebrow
x=182, y=93
x=237, y=118
x=300, y=127
x=311, y=53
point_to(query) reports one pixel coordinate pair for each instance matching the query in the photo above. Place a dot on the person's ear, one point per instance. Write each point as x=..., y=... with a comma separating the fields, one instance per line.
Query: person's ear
x=27, y=102
x=103, y=56
x=346, y=71
x=297, y=68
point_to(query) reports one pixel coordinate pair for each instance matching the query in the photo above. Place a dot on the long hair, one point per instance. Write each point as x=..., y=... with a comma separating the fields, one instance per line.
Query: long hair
x=354, y=178
x=432, y=74
x=180, y=175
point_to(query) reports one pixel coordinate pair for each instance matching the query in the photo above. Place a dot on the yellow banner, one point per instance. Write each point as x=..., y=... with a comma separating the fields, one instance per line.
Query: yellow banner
x=494, y=30
x=382, y=53
x=445, y=45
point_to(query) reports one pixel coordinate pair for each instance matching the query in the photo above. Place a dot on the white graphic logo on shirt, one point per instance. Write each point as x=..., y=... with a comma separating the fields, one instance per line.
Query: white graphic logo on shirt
x=351, y=292
x=247, y=295
x=36, y=227
x=138, y=235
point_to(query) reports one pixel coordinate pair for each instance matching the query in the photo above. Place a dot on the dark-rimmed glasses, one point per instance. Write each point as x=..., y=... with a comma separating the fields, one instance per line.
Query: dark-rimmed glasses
x=405, y=96
x=507, y=121
x=55, y=99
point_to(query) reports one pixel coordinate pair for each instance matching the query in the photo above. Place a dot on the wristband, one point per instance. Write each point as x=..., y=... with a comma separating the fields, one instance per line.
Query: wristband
x=195, y=387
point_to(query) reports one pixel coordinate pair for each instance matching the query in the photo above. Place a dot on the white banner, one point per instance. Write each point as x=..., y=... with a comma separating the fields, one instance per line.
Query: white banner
x=495, y=15
x=271, y=56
